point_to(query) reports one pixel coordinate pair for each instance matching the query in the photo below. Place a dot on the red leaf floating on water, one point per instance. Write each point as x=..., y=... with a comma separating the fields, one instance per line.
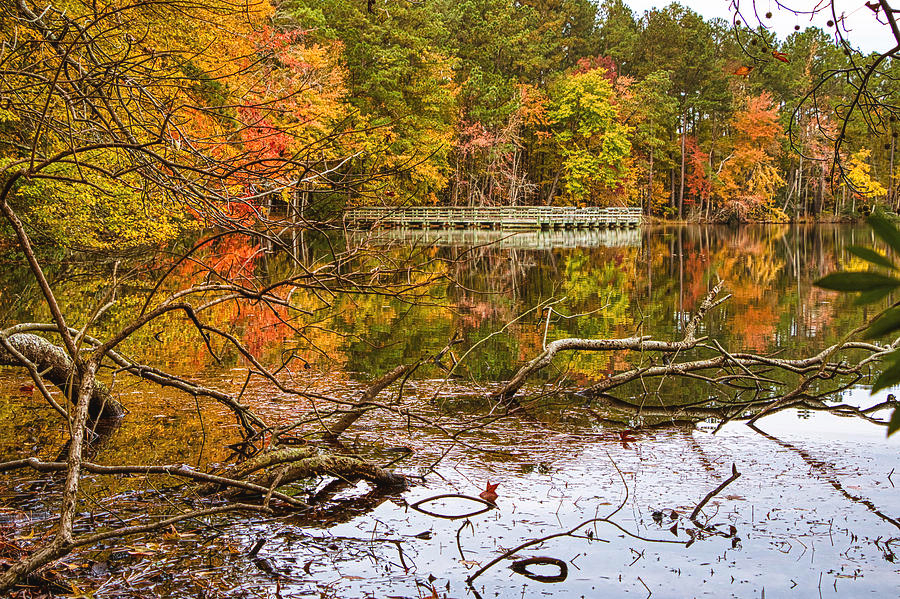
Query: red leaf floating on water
x=625, y=436
x=26, y=388
x=490, y=492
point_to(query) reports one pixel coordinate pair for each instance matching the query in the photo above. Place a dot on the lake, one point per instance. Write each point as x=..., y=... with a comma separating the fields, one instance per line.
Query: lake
x=814, y=512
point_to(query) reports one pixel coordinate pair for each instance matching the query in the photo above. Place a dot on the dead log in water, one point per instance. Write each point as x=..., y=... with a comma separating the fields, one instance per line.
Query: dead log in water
x=57, y=367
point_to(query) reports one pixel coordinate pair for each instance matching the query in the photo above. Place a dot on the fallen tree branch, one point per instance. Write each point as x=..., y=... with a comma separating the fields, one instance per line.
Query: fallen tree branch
x=297, y=464
x=248, y=419
x=642, y=344
x=342, y=467
x=352, y=415
x=171, y=470
x=751, y=369
x=55, y=365
x=284, y=465
x=817, y=363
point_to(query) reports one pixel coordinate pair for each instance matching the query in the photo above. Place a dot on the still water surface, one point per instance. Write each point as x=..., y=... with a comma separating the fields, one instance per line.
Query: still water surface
x=814, y=513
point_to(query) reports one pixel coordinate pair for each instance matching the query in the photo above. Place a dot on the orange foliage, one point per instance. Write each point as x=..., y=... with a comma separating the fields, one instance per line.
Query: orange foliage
x=697, y=180
x=750, y=178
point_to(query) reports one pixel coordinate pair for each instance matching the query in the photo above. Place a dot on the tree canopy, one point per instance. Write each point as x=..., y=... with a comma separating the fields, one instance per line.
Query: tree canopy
x=478, y=102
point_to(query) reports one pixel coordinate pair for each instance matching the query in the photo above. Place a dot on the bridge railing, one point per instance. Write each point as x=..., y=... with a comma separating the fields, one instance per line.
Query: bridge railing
x=495, y=216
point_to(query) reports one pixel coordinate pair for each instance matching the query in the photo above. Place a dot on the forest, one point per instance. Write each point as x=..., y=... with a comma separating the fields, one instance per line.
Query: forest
x=569, y=103
x=485, y=102
x=565, y=102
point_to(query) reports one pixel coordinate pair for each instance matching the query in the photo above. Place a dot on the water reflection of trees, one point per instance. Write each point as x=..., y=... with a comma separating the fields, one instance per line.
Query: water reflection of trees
x=769, y=271
x=618, y=291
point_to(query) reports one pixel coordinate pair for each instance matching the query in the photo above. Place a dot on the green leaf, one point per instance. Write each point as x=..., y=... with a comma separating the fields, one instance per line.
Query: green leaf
x=870, y=255
x=891, y=374
x=886, y=230
x=888, y=322
x=894, y=424
x=869, y=297
x=857, y=281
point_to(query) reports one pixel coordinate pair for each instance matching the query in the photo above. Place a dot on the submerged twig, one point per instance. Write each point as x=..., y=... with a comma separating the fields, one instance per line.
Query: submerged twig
x=734, y=476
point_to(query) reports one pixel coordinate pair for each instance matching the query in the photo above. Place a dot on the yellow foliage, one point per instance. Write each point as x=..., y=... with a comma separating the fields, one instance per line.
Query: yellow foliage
x=860, y=178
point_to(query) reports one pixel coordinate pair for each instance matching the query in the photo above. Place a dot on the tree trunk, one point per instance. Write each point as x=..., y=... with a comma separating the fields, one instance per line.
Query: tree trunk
x=681, y=186
x=650, y=186
x=642, y=344
x=891, y=191
x=58, y=368
x=819, y=201
x=673, y=200
x=354, y=413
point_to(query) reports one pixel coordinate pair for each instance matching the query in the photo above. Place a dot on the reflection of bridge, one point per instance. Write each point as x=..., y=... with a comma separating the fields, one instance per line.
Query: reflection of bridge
x=495, y=217
x=522, y=240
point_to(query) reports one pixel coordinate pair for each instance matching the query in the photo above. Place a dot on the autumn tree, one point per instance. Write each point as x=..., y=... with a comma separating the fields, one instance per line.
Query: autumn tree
x=859, y=178
x=698, y=183
x=849, y=89
x=588, y=135
x=750, y=177
x=399, y=82
x=497, y=57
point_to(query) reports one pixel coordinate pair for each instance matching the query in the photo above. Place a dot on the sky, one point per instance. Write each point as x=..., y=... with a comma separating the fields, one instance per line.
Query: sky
x=862, y=28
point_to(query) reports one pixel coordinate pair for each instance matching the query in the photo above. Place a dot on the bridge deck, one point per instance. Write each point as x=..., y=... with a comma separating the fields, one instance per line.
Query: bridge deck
x=494, y=217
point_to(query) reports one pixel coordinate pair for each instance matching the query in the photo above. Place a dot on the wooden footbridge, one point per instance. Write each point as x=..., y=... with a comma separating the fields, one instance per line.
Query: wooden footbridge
x=494, y=217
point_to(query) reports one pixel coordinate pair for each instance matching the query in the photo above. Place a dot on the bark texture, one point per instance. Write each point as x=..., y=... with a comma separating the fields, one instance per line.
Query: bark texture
x=355, y=413
x=58, y=368
x=288, y=464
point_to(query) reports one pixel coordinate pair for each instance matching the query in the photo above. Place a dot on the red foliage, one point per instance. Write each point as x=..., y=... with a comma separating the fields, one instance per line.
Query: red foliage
x=606, y=63
x=490, y=492
x=475, y=136
x=696, y=177
x=262, y=139
x=274, y=41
